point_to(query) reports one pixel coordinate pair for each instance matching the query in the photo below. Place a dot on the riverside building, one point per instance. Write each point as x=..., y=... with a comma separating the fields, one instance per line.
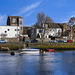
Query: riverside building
x=13, y=29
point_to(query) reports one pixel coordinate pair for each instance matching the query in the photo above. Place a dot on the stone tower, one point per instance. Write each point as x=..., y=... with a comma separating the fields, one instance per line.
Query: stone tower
x=15, y=21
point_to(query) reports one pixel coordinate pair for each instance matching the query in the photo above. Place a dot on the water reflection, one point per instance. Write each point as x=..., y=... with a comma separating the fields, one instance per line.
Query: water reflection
x=56, y=63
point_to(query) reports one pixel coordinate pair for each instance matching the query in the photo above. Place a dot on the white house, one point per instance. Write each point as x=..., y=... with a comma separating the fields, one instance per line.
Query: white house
x=52, y=30
x=9, y=31
x=47, y=31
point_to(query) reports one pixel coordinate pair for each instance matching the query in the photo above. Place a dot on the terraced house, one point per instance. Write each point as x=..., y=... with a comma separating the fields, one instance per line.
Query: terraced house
x=53, y=31
x=47, y=31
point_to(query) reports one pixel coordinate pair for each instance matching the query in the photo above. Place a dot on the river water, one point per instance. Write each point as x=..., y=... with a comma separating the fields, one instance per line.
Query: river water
x=54, y=63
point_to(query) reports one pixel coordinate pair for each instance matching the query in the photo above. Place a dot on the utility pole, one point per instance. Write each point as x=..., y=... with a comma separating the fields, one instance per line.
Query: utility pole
x=17, y=30
x=71, y=33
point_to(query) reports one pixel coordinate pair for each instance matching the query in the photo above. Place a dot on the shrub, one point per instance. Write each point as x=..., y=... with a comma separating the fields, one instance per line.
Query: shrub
x=38, y=36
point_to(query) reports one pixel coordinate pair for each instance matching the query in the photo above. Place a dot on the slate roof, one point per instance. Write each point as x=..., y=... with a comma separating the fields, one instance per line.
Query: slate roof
x=53, y=25
x=15, y=17
x=37, y=27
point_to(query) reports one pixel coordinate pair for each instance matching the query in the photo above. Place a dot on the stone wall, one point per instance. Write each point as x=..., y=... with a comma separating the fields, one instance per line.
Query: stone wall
x=44, y=40
x=12, y=39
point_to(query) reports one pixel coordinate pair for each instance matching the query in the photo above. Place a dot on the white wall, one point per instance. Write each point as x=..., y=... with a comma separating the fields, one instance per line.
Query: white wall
x=40, y=34
x=53, y=32
x=9, y=31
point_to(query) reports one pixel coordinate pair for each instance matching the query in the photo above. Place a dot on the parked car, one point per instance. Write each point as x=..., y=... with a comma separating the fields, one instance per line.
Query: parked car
x=56, y=41
x=65, y=41
x=2, y=41
x=53, y=41
x=60, y=41
x=32, y=41
x=70, y=41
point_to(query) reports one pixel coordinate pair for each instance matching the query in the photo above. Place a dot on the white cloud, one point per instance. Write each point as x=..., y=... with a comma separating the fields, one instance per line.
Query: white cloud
x=59, y=3
x=28, y=14
x=3, y=19
x=25, y=9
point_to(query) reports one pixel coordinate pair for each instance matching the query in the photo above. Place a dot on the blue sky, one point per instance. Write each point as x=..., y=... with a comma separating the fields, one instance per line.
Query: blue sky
x=59, y=10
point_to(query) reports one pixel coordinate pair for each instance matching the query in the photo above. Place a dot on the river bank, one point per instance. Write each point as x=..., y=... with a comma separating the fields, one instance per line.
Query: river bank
x=11, y=46
x=56, y=46
x=41, y=46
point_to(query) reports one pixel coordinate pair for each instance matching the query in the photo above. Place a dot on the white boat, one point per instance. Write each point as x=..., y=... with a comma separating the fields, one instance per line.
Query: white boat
x=29, y=50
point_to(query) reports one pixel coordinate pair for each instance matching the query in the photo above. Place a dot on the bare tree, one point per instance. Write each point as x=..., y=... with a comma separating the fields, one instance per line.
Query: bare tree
x=49, y=20
x=40, y=18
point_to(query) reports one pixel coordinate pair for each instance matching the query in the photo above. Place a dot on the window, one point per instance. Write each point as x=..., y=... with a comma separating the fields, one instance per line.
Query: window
x=20, y=22
x=15, y=29
x=13, y=20
x=40, y=31
x=46, y=26
x=5, y=31
x=15, y=34
x=8, y=29
x=18, y=29
x=59, y=30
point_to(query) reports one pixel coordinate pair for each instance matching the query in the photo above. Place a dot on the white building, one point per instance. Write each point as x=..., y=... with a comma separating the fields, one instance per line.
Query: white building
x=52, y=30
x=9, y=31
x=48, y=30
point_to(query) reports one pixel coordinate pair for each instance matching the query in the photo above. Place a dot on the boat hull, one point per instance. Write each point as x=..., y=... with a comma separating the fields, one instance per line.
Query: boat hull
x=29, y=51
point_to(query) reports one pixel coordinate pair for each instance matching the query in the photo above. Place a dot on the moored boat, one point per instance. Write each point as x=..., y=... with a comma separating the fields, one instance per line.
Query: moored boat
x=29, y=50
x=50, y=50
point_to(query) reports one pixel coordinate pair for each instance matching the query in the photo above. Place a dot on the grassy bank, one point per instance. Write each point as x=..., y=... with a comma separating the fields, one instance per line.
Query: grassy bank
x=12, y=46
x=57, y=46
x=43, y=46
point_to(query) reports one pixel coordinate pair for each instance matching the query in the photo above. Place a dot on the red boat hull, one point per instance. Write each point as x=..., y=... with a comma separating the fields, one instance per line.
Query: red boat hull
x=50, y=50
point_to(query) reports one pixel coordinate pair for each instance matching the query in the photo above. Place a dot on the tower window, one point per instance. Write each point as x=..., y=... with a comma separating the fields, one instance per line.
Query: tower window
x=20, y=22
x=13, y=20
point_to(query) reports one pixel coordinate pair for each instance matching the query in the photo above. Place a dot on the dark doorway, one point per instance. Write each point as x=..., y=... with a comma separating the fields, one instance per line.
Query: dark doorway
x=23, y=39
x=52, y=38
